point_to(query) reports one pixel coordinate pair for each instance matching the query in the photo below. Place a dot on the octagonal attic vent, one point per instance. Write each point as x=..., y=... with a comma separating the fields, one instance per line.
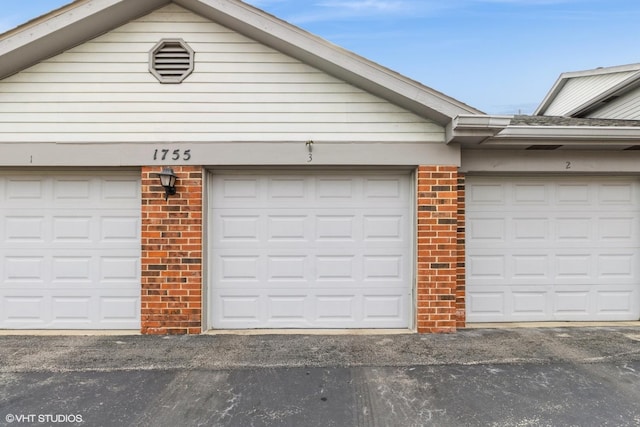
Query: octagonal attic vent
x=171, y=61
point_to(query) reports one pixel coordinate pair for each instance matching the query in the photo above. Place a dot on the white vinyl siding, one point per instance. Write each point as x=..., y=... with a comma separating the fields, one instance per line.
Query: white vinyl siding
x=240, y=90
x=627, y=107
x=579, y=90
x=544, y=249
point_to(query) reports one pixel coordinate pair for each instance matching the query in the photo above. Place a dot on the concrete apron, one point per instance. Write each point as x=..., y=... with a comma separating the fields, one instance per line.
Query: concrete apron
x=515, y=325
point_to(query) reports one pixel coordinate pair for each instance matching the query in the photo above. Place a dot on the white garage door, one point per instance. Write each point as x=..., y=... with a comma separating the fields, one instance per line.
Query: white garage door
x=318, y=250
x=70, y=250
x=541, y=249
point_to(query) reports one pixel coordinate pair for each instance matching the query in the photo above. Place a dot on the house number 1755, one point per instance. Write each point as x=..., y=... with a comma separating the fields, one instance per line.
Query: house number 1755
x=167, y=154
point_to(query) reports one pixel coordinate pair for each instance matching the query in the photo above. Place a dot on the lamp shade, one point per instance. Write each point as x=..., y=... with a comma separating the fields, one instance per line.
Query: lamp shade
x=168, y=181
x=167, y=178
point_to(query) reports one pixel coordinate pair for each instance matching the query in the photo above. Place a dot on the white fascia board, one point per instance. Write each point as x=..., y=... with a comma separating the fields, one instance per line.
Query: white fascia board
x=567, y=134
x=551, y=96
x=330, y=58
x=602, y=70
x=64, y=28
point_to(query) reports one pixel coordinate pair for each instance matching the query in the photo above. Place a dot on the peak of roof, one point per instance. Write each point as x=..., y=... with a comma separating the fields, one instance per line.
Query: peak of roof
x=601, y=70
x=82, y=20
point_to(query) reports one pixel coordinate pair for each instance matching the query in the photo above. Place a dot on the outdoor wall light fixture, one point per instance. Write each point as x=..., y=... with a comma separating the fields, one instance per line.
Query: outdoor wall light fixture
x=168, y=181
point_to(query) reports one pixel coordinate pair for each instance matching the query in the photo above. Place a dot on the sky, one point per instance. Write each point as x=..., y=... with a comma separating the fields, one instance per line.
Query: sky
x=499, y=56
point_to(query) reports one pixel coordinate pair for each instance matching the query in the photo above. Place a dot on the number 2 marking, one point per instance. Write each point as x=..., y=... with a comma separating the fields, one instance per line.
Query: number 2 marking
x=568, y=165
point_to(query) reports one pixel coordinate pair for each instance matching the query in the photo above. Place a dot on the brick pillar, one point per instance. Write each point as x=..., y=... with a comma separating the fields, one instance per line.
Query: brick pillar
x=461, y=295
x=437, y=248
x=172, y=253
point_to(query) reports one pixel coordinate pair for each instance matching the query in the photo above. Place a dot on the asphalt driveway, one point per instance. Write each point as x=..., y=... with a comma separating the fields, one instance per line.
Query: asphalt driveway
x=481, y=377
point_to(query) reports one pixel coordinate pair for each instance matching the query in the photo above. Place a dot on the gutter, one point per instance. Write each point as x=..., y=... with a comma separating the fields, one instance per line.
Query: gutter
x=475, y=128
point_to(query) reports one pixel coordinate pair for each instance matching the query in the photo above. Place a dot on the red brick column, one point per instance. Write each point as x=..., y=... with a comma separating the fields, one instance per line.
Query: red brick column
x=172, y=253
x=461, y=296
x=437, y=248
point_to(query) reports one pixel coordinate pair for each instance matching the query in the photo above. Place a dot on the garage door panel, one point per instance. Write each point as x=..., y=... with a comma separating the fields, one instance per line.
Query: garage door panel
x=574, y=194
x=574, y=267
x=70, y=256
x=68, y=309
x=530, y=302
x=237, y=228
x=528, y=194
x=235, y=309
x=306, y=250
x=570, y=303
x=23, y=229
x=238, y=267
x=102, y=229
x=23, y=268
x=530, y=228
x=386, y=227
x=337, y=268
x=287, y=228
x=287, y=191
x=384, y=268
x=118, y=228
x=119, y=309
x=612, y=301
x=621, y=229
x=614, y=266
x=618, y=194
x=575, y=237
x=23, y=308
x=317, y=308
x=487, y=228
x=531, y=267
x=384, y=308
x=487, y=304
x=330, y=308
x=574, y=229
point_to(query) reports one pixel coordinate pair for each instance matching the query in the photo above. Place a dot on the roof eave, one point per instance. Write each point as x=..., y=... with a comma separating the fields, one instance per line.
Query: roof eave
x=585, y=136
x=64, y=28
x=485, y=131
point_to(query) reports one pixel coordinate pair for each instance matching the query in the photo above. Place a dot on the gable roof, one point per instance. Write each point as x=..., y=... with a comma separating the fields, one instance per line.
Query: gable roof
x=575, y=94
x=83, y=20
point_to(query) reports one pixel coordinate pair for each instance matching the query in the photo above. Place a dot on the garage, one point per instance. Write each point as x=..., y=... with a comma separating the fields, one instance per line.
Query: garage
x=70, y=254
x=552, y=248
x=310, y=250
